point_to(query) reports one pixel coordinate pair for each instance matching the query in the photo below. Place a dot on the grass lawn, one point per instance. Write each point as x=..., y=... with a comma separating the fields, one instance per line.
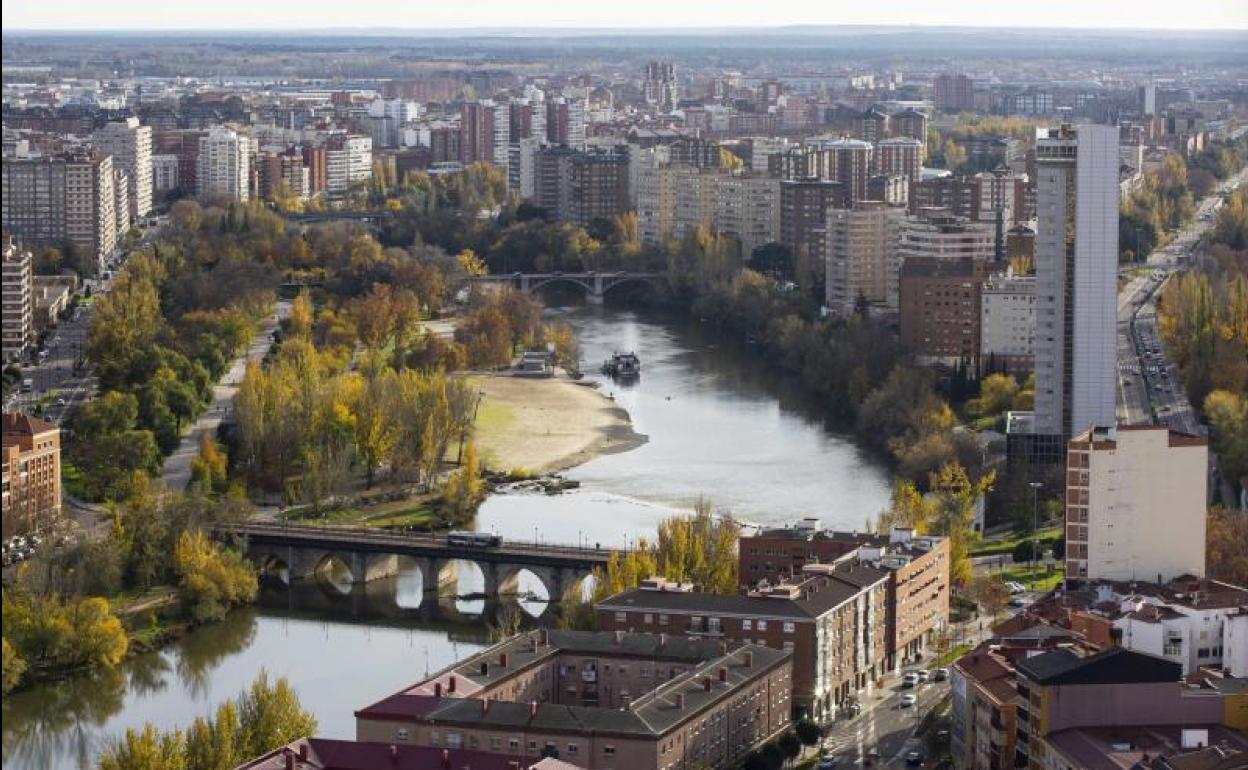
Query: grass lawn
x=1038, y=580
x=1006, y=544
x=953, y=654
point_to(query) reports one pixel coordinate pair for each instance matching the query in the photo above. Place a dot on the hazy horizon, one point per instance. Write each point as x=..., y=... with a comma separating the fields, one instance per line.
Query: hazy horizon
x=505, y=18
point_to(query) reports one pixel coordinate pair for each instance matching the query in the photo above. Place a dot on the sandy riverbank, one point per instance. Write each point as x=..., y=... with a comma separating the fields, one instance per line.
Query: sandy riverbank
x=548, y=425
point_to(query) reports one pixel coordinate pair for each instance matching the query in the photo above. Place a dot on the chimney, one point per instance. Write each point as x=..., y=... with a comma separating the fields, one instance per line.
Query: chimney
x=502, y=659
x=619, y=637
x=450, y=683
x=290, y=759
x=532, y=709
x=749, y=659
x=723, y=674
x=680, y=701
x=485, y=668
x=543, y=637
x=706, y=683
x=437, y=689
x=303, y=752
x=485, y=706
x=446, y=759
x=662, y=641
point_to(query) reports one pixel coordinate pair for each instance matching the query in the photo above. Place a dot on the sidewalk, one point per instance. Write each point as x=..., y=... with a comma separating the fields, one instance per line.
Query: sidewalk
x=177, y=470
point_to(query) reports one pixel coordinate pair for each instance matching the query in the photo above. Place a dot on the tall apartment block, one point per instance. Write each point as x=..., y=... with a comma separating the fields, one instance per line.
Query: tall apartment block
x=953, y=93
x=1076, y=278
x=862, y=258
x=1136, y=500
x=581, y=186
x=223, y=167
x=60, y=200
x=17, y=301
x=130, y=144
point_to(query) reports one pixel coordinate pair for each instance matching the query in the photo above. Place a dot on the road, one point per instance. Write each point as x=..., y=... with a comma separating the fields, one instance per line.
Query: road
x=177, y=470
x=1148, y=386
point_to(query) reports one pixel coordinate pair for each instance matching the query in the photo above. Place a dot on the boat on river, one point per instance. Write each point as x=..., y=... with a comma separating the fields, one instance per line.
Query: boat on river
x=622, y=366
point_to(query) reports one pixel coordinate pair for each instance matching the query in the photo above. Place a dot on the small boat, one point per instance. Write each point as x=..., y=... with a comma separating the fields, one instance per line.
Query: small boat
x=622, y=366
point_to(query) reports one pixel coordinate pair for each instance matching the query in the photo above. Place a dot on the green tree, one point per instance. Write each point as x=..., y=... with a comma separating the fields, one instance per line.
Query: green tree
x=270, y=715
x=210, y=579
x=146, y=749
x=1228, y=420
x=808, y=732
x=14, y=666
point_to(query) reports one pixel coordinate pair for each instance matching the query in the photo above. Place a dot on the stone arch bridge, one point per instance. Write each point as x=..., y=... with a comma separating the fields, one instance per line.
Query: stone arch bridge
x=596, y=285
x=305, y=551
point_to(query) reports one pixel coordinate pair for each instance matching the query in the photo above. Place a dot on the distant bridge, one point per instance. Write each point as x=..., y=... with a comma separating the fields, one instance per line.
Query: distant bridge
x=595, y=284
x=365, y=217
x=307, y=551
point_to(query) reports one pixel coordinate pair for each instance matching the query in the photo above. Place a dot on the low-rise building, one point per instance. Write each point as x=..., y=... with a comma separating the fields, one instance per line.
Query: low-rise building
x=833, y=620
x=330, y=754
x=32, y=474
x=600, y=700
x=52, y=294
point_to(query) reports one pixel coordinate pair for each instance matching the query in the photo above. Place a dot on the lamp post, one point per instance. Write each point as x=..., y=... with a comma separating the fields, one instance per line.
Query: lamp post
x=1035, y=524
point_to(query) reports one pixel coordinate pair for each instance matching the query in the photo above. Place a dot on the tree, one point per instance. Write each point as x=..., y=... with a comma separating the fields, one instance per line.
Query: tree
x=146, y=749
x=186, y=215
x=1226, y=536
x=774, y=260
x=14, y=666
x=989, y=593
x=996, y=394
x=208, y=468
x=956, y=497
x=210, y=579
x=1228, y=421
x=790, y=745
x=808, y=732
x=464, y=489
x=1026, y=551
x=270, y=715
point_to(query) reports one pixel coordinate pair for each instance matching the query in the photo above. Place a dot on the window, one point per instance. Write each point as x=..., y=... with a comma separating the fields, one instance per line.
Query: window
x=401, y=734
x=608, y=750
x=649, y=618
x=762, y=625
x=695, y=623
x=790, y=627
x=513, y=745
x=662, y=619
x=572, y=749
x=532, y=746
x=747, y=624
x=621, y=617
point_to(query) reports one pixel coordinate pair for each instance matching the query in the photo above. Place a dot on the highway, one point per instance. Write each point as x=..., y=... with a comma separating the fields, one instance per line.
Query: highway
x=1149, y=387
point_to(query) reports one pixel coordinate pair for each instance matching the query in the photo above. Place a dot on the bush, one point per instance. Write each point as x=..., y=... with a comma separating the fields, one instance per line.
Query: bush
x=808, y=732
x=1058, y=544
x=1026, y=550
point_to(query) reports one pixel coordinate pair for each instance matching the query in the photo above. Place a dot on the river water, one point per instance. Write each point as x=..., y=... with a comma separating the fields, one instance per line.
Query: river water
x=719, y=425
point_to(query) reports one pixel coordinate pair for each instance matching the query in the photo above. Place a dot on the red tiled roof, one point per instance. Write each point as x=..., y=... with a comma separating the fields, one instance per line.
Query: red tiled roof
x=18, y=424
x=401, y=705
x=326, y=754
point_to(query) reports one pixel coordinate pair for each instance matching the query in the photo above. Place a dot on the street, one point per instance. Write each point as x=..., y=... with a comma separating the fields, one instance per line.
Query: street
x=1149, y=389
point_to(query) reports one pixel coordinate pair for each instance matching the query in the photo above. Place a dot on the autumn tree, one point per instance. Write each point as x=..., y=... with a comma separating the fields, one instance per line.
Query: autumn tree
x=955, y=496
x=210, y=579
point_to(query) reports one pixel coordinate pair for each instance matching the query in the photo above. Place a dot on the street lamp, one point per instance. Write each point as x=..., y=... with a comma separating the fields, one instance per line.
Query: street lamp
x=1035, y=524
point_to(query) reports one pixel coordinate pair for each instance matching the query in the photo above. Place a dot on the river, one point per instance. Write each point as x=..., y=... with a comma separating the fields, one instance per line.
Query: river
x=719, y=424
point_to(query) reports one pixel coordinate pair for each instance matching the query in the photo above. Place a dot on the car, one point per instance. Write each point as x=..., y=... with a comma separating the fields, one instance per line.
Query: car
x=1015, y=587
x=914, y=759
x=924, y=675
x=1017, y=602
x=827, y=763
x=910, y=679
x=908, y=700
x=941, y=674
x=60, y=402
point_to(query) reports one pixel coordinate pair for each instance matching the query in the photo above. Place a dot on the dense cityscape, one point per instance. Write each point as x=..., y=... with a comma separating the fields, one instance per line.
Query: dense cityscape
x=574, y=394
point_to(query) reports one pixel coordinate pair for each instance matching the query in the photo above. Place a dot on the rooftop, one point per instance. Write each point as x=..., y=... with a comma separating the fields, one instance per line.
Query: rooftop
x=1114, y=666
x=326, y=754
x=1126, y=748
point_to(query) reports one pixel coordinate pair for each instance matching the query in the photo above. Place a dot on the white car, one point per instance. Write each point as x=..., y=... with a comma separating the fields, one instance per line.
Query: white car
x=908, y=700
x=910, y=679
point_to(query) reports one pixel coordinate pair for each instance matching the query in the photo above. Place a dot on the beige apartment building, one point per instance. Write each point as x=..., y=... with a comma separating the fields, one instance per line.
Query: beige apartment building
x=51, y=200
x=673, y=199
x=17, y=311
x=598, y=700
x=863, y=260
x=1136, y=500
x=31, y=473
x=130, y=144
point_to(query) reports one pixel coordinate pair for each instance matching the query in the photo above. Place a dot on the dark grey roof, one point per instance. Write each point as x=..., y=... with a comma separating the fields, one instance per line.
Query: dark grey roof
x=1114, y=666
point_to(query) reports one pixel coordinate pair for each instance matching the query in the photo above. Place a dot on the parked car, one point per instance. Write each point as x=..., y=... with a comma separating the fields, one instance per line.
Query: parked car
x=827, y=763
x=908, y=700
x=924, y=675
x=914, y=759
x=941, y=674
x=910, y=679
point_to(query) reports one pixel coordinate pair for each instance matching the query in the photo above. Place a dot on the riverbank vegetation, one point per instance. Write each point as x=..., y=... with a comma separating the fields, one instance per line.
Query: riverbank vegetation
x=61, y=610
x=261, y=718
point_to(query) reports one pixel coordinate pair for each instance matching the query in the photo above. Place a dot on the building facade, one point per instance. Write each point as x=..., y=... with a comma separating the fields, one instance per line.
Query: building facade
x=862, y=258
x=223, y=166
x=1076, y=278
x=1136, y=502
x=32, y=474
x=673, y=199
x=1008, y=322
x=130, y=144
x=602, y=701
x=17, y=308
x=940, y=308
x=52, y=201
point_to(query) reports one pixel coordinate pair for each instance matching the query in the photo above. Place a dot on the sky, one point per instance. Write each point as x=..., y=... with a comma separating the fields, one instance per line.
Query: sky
x=502, y=14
